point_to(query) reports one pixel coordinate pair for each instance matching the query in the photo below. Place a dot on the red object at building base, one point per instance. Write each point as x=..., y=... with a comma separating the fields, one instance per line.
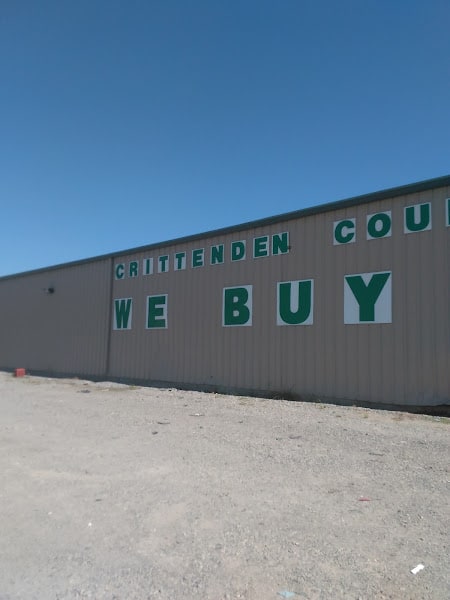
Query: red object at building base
x=19, y=372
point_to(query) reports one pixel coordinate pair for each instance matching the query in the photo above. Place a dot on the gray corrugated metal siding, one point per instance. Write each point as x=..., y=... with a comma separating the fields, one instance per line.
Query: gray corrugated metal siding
x=401, y=362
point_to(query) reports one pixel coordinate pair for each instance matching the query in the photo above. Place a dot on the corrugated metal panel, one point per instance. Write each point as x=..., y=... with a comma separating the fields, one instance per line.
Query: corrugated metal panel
x=403, y=362
x=63, y=332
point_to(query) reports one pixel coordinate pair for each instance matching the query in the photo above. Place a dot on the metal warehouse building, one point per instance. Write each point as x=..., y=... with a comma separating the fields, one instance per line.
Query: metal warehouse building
x=349, y=301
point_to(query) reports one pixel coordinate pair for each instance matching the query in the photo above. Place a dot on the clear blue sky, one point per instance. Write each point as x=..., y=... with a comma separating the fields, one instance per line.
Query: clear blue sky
x=128, y=123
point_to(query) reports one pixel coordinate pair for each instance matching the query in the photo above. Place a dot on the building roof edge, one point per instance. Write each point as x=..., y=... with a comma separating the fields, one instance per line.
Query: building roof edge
x=394, y=192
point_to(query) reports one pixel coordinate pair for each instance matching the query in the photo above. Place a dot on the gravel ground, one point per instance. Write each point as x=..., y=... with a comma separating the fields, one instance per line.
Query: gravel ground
x=121, y=492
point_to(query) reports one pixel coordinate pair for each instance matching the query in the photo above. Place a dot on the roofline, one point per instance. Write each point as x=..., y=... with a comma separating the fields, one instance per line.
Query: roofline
x=402, y=190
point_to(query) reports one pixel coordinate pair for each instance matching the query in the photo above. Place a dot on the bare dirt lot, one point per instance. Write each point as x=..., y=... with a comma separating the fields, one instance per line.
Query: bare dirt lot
x=117, y=492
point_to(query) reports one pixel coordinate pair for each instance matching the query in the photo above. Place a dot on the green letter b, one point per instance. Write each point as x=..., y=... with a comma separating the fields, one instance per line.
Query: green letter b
x=237, y=306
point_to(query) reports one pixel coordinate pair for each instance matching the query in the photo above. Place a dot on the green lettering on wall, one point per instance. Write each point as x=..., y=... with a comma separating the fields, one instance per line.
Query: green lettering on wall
x=157, y=312
x=217, y=254
x=148, y=266
x=448, y=212
x=238, y=250
x=261, y=246
x=180, y=261
x=120, y=271
x=133, y=268
x=162, y=263
x=344, y=231
x=198, y=257
x=379, y=225
x=122, y=313
x=366, y=295
x=295, y=302
x=417, y=218
x=280, y=243
x=237, y=306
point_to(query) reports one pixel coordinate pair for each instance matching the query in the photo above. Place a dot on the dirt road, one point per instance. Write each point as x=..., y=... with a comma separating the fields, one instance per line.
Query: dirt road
x=118, y=492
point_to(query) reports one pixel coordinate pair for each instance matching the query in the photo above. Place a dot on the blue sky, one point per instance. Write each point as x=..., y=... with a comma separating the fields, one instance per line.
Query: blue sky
x=128, y=123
